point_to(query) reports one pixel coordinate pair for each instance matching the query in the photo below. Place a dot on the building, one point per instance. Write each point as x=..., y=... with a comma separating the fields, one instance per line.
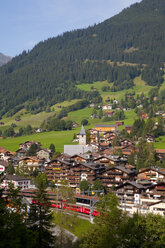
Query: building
x=153, y=175
x=117, y=175
x=105, y=128
x=17, y=181
x=82, y=136
x=44, y=153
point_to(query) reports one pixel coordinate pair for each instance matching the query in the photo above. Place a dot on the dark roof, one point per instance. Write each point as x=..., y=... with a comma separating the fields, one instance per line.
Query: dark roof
x=15, y=178
x=102, y=125
x=82, y=131
x=133, y=183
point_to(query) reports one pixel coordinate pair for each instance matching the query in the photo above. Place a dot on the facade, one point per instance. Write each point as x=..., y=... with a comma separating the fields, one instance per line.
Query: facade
x=153, y=175
x=117, y=175
x=44, y=154
x=17, y=181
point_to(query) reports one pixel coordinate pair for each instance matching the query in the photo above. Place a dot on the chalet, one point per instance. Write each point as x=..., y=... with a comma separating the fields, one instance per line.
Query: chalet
x=26, y=145
x=3, y=166
x=130, y=192
x=157, y=208
x=127, y=150
x=128, y=128
x=114, y=176
x=150, y=138
x=110, y=160
x=21, y=153
x=74, y=172
x=109, y=113
x=144, y=116
x=84, y=171
x=44, y=153
x=31, y=163
x=107, y=107
x=155, y=191
x=57, y=170
x=119, y=123
x=160, y=153
x=17, y=181
x=105, y=128
x=82, y=158
x=126, y=142
x=5, y=154
x=75, y=124
x=154, y=175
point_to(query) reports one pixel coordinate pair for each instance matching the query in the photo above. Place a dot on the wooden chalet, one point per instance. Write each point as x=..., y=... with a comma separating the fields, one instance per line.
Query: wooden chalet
x=84, y=171
x=130, y=192
x=57, y=170
x=21, y=153
x=114, y=176
x=128, y=128
x=31, y=163
x=26, y=145
x=153, y=175
x=119, y=123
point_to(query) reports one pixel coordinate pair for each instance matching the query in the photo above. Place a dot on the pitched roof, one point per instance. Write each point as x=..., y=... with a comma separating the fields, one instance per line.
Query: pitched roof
x=82, y=131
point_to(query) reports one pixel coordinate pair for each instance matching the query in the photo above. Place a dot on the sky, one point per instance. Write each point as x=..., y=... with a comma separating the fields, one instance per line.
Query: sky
x=24, y=23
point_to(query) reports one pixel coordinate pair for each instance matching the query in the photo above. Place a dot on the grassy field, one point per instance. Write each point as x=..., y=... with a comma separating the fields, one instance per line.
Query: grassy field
x=73, y=224
x=33, y=120
x=58, y=138
x=140, y=86
x=160, y=143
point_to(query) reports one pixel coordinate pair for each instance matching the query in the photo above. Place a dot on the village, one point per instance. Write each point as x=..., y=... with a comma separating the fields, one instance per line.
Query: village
x=101, y=159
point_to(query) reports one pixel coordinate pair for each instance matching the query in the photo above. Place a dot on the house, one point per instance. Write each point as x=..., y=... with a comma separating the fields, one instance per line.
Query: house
x=75, y=124
x=150, y=138
x=26, y=145
x=107, y=107
x=72, y=171
x=126, y=142
x=84, y=171
x=44, y=153
x=5, y=154
x=153, y=175
x=3, y=166
x=130, y=192
x=128, y=128
x=109, y=113
x=114, y=176
x=160, y=153
x=105, y=128
x=119, y=123
x=17, y=181
x=144, y=116
x=21, y=153
x=31, y=163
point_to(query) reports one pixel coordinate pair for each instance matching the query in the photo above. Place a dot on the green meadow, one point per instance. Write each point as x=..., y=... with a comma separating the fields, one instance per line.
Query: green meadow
x=58, y=138
x=140, y=86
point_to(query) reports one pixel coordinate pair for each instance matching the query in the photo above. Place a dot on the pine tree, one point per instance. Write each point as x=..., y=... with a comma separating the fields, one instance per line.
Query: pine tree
x=40, y=217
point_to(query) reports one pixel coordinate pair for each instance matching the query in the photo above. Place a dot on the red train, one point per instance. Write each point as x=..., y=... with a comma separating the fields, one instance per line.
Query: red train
x=72, y=207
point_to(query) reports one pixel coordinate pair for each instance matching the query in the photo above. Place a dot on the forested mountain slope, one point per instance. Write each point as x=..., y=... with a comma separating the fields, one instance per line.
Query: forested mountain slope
x=48, y=73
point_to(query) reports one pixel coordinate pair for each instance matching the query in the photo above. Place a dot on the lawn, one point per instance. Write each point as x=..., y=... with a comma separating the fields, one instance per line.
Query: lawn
x=160, y=143
x=58, y=138
x=140, y=86
x=72, y=223
x=33, y=120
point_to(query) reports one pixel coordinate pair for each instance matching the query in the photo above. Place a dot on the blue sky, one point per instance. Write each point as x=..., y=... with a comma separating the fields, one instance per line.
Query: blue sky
x=24, y=23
